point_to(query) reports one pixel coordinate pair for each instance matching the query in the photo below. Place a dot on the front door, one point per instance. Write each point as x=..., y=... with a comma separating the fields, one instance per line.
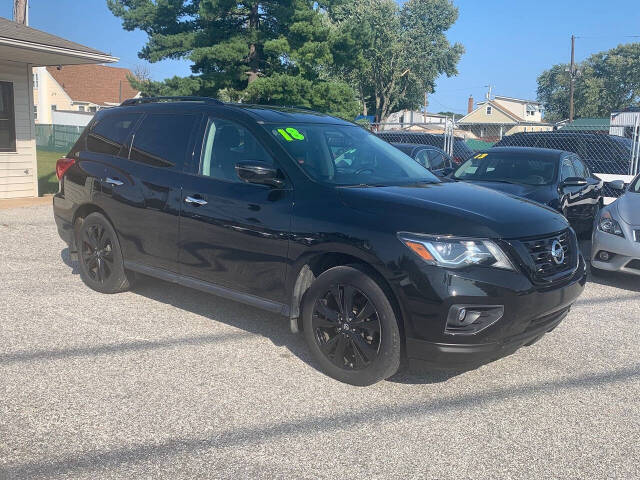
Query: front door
x=234, y=234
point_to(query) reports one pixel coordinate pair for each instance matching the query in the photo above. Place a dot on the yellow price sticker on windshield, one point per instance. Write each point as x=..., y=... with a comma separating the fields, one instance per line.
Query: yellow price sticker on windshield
x=290, y=134
x=481, y=155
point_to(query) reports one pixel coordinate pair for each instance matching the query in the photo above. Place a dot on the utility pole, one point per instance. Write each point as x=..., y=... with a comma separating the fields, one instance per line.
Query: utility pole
x=426, y=103
x=20, y=12
x=572, y=74
x=489, y=92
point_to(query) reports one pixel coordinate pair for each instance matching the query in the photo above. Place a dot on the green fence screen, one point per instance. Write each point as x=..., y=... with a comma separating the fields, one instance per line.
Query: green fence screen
x=57, y=138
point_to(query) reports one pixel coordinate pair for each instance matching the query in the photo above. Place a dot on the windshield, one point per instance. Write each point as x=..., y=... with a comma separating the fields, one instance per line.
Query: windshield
x=510, y=168
x=348, y=155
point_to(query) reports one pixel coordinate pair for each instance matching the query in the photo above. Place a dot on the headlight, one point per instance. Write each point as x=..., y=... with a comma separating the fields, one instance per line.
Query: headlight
x=456, y=252
x=608, y=224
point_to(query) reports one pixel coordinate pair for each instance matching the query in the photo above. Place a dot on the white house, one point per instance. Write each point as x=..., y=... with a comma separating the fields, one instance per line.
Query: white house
x=406, y=118
x=21, y=49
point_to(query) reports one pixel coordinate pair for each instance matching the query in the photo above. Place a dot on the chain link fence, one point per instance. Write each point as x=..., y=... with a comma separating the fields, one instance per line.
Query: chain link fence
x=611, y=151
x=57, y=138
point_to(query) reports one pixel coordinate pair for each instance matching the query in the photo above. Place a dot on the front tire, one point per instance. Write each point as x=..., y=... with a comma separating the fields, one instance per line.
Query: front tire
x=100, y=257
x=350, y=327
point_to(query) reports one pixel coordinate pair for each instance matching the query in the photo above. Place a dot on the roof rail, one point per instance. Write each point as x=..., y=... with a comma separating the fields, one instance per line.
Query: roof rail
x=141, y=100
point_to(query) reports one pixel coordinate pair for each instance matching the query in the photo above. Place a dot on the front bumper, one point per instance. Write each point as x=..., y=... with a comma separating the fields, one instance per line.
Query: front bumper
x=530, y=312
x=625, y=251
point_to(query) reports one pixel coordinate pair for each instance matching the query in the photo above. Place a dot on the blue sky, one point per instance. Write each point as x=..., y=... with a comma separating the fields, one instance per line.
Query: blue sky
x=508, y=42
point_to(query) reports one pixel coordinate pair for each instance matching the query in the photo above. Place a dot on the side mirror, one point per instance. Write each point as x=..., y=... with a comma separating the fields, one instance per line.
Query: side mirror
x=616, y=184
x=259, y=173
x=574, y=182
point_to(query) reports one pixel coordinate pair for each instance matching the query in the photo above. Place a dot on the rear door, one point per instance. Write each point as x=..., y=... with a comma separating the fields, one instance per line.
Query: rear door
x=234, y=234
x=143, y=192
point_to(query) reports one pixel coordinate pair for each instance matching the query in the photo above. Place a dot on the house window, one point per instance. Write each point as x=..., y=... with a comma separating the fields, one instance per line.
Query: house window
x=7, y=118
x=35, y=80
x=92, y=109
x=54, y=108
x=35, y=112
x=489, y=109
x=81, y=108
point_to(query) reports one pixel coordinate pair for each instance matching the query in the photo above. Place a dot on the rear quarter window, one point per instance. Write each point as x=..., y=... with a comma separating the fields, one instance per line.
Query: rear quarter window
x=163, y=139
x=108, y=134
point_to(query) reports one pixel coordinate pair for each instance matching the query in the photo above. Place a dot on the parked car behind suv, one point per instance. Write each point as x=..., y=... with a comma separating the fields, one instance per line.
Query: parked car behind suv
x=432, y=158
x=461, y=150
x=554, y=178
x=607, y=156
x=315, y=218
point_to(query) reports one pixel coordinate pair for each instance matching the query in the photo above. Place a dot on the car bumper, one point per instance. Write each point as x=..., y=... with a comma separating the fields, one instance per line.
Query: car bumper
x=529, y=314
x=626, y=252
x=62, y=214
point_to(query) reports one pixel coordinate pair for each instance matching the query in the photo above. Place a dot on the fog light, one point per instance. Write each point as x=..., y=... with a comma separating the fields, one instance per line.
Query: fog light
x=604, y=256
x=471, y=319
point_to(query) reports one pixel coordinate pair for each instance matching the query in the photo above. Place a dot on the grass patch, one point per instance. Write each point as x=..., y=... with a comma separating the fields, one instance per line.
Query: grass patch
x=47, y=180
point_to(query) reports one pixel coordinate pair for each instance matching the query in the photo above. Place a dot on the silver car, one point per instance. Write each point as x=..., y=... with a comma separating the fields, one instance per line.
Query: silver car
x=616, y=235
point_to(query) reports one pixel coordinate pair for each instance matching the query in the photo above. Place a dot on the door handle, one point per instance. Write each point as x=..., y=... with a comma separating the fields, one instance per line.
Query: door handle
x=195, y=201
x=113, y=181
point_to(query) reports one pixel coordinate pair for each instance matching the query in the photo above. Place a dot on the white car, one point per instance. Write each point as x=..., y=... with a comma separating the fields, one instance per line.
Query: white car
x=616, y=235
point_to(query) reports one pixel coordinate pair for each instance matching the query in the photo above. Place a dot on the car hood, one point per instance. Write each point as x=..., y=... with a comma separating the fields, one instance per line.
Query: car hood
x=532, y=192
x=629, y=208
x=455, y=208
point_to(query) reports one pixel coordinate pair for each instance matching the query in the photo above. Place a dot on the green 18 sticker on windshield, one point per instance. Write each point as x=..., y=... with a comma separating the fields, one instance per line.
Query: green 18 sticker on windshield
x=290, y=134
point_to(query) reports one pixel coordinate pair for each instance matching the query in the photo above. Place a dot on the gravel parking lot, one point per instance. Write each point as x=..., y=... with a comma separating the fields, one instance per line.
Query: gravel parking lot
x=165, y=382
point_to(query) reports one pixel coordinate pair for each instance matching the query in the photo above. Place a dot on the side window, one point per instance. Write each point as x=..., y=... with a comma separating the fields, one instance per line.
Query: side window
x=7, y=118
x=422, y=157
x=581, y=170
x=109, y=133
x=437, y=160
x=225, y=144
x=162, y=139
x=566, y=169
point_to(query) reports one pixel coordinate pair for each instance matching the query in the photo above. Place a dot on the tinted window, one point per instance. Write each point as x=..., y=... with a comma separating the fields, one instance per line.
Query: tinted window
x=109, y=133
x=566, y=169
x=437, y=159
x=347, y=155
x=422, y=157
x=581, y=170
x=163, y=139
x=510, y=168
x=7, y=118
x=226, y=143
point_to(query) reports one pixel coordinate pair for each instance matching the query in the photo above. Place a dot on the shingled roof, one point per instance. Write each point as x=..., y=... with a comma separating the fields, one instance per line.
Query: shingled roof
x=17, y=31
x=97, y=84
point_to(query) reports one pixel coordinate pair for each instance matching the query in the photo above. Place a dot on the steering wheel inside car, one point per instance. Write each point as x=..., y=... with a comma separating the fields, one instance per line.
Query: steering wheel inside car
x=362, y=170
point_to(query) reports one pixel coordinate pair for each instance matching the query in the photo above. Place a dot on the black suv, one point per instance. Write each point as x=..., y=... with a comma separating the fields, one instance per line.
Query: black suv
x=315, y=218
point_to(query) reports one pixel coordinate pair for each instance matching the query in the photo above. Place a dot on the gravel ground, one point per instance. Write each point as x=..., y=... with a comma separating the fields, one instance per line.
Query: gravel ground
x=165, y=382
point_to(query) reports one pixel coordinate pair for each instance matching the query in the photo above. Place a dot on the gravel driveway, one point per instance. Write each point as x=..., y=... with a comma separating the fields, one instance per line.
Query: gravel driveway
x=165, y=382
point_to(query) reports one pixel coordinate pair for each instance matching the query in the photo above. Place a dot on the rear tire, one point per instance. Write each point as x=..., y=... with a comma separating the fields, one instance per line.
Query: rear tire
x=100, y=256
x=350, y=327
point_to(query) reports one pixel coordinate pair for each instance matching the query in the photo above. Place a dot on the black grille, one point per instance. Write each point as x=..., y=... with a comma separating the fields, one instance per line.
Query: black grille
x=545, y=267
x=635, y=264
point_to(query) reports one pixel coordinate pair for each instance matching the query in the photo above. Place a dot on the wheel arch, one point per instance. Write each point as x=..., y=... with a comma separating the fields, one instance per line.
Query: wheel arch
x=316, y=263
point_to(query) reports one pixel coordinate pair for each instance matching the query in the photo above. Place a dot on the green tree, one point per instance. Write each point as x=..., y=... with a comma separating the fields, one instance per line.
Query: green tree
x=275, y=45
x=608, y=81
x=393, y=52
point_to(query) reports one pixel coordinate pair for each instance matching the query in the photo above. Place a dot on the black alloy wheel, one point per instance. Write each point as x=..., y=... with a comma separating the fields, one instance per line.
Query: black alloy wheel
x=347, y=327
x=97, y=253
x=350, y=326
x=101, y=262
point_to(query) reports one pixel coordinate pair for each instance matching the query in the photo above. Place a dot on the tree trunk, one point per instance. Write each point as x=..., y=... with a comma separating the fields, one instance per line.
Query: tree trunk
x=254, y=60
x=362, y=99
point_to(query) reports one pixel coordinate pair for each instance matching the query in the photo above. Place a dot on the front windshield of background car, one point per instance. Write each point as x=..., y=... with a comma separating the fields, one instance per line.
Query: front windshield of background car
x=507, y=167
x=348, y=155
